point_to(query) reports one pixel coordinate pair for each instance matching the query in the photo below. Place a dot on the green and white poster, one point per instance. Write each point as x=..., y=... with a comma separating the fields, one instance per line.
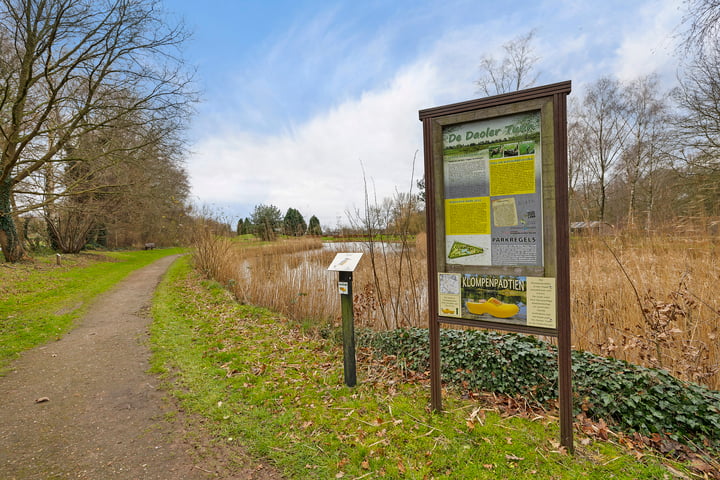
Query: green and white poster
x=492, y=171
x=516, y=300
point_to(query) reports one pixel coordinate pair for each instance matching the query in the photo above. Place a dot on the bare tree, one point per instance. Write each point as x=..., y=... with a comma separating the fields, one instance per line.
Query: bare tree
x=648, y=143
x=699, y=97
x=602, y=130
x=703, y=20
x=515, y=71
x=699, y=91
x=73, y=67
x=578, y=173
x=151, y=205
x=141, y=191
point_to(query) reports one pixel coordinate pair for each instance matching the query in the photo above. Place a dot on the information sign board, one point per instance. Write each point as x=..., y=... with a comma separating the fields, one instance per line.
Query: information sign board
x=492, y=200
x=498, y=230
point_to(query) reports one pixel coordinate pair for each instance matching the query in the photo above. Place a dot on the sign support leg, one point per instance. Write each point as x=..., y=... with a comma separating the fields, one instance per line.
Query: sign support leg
x=435, y=380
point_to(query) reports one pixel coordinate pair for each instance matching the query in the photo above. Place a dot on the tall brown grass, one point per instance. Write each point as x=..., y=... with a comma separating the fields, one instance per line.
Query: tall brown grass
x=291, y=277
x=649, y=300
x=391, y=284
x=286, y=276
x=652, y=301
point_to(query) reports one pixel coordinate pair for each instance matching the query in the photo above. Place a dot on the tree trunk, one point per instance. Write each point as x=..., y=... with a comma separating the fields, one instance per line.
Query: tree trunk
x=631, y=207
x=651, y=204
x=602, y=197
x=10, y=241
x=53, y=240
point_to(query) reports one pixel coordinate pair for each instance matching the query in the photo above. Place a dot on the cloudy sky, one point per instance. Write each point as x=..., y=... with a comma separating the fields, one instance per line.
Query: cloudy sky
x=300, y=97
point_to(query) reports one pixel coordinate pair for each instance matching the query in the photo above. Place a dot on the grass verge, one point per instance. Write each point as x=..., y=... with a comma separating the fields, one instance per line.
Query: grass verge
x=40, y=300
x=264, y=384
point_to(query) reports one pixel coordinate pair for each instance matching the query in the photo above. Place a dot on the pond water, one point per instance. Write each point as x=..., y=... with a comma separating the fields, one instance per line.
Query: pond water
x=350, y=247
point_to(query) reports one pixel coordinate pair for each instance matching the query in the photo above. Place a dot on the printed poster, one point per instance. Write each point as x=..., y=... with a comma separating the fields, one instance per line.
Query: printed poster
x=542, y=311
x=449, y=299
x=516, y=300
x=492, y=171
x=494, y=298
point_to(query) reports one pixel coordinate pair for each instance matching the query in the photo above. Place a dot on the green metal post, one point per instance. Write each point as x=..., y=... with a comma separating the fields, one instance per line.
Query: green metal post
x=348, y=331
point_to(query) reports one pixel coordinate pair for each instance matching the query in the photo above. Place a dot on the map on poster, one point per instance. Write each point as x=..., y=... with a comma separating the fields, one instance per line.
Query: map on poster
x=492, y=174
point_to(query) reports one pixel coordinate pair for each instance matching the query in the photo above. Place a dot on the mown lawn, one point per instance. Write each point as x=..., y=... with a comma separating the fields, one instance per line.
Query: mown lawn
x=40, y=300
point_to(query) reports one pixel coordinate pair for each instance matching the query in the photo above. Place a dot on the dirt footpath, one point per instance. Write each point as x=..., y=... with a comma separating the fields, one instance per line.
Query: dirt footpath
x=85, y=407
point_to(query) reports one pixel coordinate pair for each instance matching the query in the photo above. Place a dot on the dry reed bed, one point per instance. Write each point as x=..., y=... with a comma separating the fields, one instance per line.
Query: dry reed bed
x=285, y=276
x=650, y=301
x=291, y=277
x=391, y=285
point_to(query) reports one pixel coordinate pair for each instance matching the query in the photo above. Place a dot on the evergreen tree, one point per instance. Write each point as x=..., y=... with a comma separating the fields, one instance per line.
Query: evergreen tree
x=314, y=226
x=266, y=219
x=247, y=226
x=294, y=223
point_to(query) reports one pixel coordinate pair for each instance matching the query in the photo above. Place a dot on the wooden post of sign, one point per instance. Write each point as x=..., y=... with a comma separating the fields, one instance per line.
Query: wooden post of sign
x=348, y=331
x=562, y=255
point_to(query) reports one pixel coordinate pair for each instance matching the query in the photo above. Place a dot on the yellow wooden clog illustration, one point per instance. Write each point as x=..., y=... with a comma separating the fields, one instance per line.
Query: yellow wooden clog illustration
x=494, y=307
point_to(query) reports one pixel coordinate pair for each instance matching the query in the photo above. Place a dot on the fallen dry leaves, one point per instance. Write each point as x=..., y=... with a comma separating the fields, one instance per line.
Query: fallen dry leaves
x=386, y=371
x=705, y=465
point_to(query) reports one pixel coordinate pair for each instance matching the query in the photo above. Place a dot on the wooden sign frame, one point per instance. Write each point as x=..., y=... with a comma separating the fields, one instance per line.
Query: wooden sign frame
x=495, y=177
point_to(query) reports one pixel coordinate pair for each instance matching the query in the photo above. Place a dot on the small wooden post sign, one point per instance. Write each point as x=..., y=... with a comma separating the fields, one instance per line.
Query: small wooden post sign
x=345, y=264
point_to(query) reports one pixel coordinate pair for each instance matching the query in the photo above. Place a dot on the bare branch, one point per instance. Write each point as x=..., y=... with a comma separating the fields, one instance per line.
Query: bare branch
x=514, y=72
x=91, y=83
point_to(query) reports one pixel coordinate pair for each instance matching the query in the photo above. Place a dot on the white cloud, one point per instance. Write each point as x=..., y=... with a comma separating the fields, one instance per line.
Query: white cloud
x=316, y=167
x=649, y=46
x=314, y=164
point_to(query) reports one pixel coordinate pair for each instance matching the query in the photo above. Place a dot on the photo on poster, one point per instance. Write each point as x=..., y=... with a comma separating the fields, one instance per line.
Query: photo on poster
x=504, y=212
x=494, y=298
